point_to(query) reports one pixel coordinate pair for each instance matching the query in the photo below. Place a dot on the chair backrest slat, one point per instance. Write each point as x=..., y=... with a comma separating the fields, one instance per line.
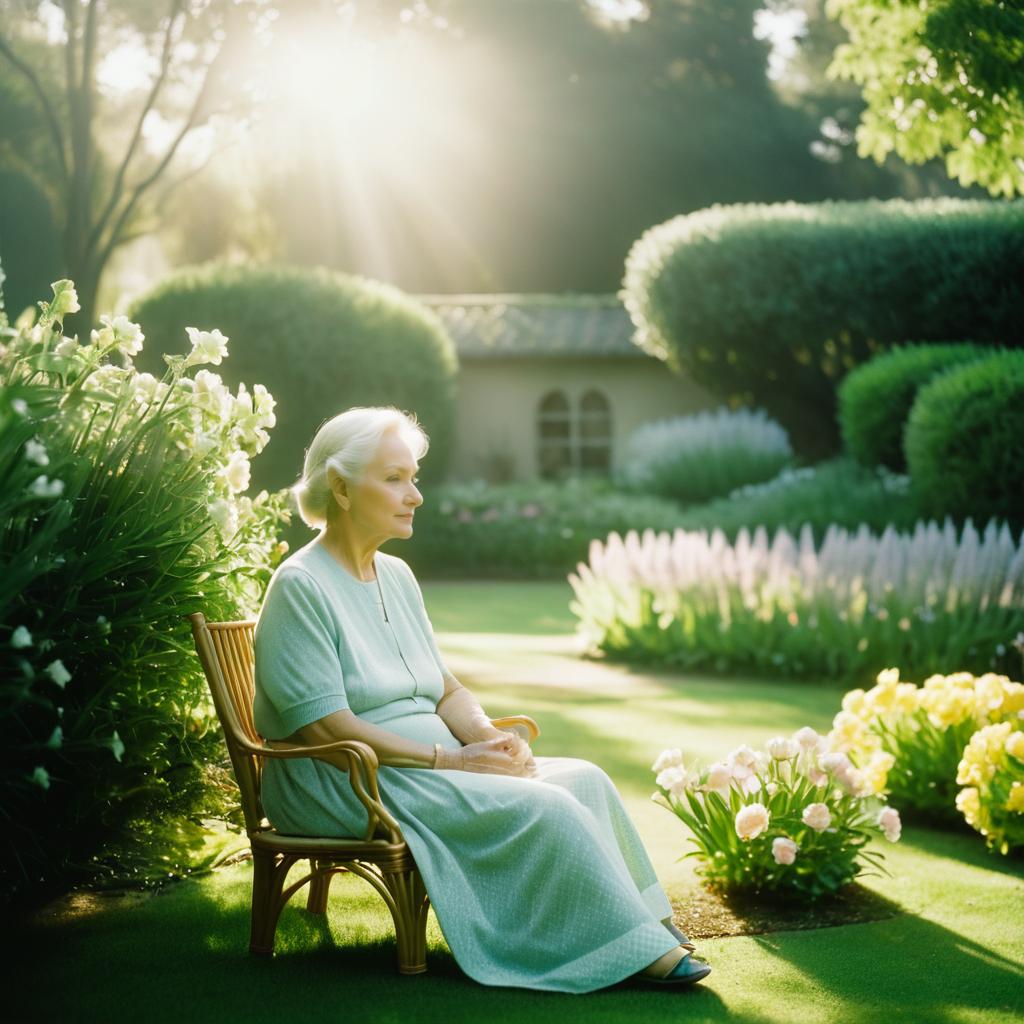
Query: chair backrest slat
x=226, y=651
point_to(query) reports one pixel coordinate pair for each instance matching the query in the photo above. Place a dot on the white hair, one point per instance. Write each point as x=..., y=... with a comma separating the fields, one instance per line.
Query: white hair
x=347, y=444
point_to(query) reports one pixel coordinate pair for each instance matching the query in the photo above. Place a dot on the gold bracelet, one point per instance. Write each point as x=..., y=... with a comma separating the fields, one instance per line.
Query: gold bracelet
x=437, y=753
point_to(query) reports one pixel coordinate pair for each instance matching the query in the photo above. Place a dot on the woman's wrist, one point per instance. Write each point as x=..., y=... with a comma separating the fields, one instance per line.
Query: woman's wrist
x=450, y=760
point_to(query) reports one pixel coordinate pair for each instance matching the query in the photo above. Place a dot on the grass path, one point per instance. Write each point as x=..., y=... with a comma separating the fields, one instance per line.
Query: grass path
x=955, y=955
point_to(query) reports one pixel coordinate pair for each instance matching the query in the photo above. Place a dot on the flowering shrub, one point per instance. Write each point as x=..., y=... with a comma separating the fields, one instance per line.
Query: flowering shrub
x=124, y=510
x=845, y=609
x=694, y=458
x=794, y=818
x=924, y=729
x=992, y=772
x=536, y=529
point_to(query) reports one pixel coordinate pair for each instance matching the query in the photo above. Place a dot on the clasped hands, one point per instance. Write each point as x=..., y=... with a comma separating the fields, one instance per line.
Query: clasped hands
x=507, y=753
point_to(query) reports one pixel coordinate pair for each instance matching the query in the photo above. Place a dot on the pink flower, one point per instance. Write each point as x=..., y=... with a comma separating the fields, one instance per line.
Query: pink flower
x=751, y=821
x=817, y=816
x=890, y=824
x=784, y=850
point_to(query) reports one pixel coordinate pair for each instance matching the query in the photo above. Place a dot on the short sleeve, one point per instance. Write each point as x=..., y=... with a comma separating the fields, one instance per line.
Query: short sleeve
x=298, y=668
x=425, y=624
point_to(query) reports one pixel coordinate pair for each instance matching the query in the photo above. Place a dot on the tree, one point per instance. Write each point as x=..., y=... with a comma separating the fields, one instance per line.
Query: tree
x=103, y=172
x=940, y=78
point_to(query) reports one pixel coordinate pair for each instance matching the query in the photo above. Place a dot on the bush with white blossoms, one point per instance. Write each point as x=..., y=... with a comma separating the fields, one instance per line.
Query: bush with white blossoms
x=845, y=609
x=924, y=730
x=794, y=818
x=992, y=774
x=124, y=510
x=694, y=458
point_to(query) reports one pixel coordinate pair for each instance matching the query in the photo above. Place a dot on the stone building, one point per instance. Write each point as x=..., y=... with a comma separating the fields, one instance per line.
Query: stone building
x=552, y=385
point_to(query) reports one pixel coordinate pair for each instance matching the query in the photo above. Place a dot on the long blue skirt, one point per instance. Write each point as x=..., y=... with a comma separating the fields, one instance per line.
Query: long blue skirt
x=539, y=883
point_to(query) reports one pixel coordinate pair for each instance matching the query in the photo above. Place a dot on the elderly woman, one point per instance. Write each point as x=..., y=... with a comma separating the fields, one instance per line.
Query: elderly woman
x=534, y=869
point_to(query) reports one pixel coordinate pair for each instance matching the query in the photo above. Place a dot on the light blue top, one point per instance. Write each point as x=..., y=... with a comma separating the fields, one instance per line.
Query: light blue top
x=351, y=656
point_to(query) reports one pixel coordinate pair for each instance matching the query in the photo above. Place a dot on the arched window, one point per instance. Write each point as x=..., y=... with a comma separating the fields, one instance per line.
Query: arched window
x=595, y=433
x=554, y=436
x=580, y=444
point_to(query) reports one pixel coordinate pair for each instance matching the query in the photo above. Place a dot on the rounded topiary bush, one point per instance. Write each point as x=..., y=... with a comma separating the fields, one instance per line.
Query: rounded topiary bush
x=875, y=398
x=696, y=458
x=964, y=440
x=320, y=341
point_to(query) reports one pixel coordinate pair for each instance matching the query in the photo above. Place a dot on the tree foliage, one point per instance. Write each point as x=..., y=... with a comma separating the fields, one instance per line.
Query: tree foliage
x=940, y=78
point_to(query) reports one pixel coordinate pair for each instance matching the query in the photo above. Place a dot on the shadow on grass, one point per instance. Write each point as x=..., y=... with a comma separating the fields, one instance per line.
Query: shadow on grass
x=183, y=954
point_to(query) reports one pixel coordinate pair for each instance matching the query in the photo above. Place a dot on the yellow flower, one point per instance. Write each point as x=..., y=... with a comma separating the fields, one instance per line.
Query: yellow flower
x=854, y=703
x=888, y=677
x=876, y=774
x=968, y=804
x=1015, y=745
x=906, y=698
x=1015, y=802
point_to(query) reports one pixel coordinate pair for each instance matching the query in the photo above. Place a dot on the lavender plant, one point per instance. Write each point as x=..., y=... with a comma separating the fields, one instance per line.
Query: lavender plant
x=846, y=609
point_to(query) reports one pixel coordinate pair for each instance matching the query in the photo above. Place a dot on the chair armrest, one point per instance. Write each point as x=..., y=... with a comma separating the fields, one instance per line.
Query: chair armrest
x=362, y=776
x=521, y=724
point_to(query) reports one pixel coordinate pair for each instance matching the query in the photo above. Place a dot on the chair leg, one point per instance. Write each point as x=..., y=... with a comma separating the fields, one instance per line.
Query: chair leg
x=410, y=915
x=319, y=886
x=267, y=884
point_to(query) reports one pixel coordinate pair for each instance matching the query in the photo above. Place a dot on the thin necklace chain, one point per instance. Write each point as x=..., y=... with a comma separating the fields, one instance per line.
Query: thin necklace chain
x=415, y=681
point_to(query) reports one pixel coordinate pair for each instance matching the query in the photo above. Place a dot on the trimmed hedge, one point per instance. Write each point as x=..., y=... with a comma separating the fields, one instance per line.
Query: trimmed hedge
x=875, y=399
x=321, y=341
x=965, y=441
x=771, y=305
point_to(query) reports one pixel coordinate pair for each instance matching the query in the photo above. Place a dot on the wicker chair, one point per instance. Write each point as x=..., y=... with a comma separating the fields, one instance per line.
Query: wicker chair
x=381, y=856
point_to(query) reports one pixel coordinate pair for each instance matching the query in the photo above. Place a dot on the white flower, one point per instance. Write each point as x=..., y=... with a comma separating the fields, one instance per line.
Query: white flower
x=119, y=333
x=20, y=406
x=837, y=763
x=817, y=816
x=784, y=850
x=116, y=746
x=236, y=472
x=41, y=777
x=58, y=673
x=265, y=404
x=676, y=779
x=36, y=452
x=225, y=515
x=56, y=738
x=668, y=759
x=41, y=487
x=21, y=637
x=66, y=347
x=771, y=789
x=782, y=748
x=210, y=394
x=751, y=821
x=889, y=822
x=888, y=677
x=808, y=738
x=207, y=347
x=145, y=388
x=65, y=298
x=719, y=777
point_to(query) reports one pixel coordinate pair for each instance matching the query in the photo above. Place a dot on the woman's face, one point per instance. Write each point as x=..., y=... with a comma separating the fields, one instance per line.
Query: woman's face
x=382, y=503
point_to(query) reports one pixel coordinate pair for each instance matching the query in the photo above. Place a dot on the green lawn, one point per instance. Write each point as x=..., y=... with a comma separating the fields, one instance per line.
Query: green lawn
x=955, y=953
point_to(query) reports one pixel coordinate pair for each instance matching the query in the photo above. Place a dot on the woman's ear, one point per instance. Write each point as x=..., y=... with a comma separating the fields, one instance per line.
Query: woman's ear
x=339, y=489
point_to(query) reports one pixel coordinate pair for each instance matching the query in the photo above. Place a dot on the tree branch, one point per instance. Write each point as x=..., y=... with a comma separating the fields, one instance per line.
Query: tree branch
x=48, y=111
x=117, y=189
x=144, y=185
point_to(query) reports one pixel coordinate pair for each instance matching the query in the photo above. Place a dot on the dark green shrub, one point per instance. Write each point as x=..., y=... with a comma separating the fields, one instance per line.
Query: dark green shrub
x=322, y=341
x=965, y=441
x=29, y=242
x=875, y=398
x=771, y=305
